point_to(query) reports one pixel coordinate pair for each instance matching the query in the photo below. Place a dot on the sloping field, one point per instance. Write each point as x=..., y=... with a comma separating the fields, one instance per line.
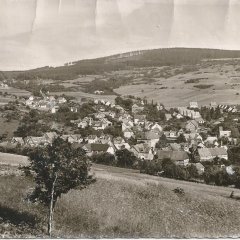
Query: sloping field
x=15, y=91
x=124, y=203
x=13, y=159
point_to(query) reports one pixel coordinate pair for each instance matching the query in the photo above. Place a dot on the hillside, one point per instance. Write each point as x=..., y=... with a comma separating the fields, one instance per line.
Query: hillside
x=145, y=58
x=124, y=203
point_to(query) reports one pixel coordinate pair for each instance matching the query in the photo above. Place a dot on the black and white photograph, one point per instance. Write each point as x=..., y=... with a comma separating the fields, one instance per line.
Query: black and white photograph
x=119, y=119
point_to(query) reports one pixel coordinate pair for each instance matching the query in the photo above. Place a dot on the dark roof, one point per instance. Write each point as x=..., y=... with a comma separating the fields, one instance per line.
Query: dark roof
x=96, y=147
x=173, y=155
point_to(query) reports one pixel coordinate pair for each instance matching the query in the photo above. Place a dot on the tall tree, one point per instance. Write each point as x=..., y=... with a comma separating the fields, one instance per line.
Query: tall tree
x=57, y=169
x=125, y=158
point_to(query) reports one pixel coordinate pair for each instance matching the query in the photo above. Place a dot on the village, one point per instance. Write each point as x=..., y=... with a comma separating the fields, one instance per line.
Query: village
x=148, y=132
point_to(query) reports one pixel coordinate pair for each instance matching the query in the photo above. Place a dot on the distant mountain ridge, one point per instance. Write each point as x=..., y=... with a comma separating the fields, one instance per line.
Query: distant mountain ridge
x=133, y=59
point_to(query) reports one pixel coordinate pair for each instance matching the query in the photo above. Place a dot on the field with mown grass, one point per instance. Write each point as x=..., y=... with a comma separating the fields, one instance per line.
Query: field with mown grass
x=123, y=203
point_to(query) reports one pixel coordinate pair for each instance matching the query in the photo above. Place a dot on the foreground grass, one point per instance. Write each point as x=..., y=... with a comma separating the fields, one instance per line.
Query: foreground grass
x=120, y=208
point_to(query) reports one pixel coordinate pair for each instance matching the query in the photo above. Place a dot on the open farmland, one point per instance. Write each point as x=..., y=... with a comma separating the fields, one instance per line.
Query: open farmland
x=222, y=83
x=15, y=91
x=173, y=86
x=125, y=203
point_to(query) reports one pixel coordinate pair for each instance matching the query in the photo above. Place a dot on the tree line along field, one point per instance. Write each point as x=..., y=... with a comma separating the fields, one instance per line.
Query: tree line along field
x=123, y=203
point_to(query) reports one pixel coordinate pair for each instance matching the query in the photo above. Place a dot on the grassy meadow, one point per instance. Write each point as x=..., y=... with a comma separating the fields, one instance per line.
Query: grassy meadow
x=123, y=204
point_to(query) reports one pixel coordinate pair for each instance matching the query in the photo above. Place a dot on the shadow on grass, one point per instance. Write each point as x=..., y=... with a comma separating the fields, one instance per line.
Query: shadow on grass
x=15, y=217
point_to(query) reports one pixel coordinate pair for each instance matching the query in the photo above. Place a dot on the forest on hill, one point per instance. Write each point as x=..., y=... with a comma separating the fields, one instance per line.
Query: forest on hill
x=146, y=58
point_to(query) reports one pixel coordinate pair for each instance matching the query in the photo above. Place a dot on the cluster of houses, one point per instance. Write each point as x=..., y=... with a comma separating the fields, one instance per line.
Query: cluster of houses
x=139, y=135
x=47, y=103
x=4, y=85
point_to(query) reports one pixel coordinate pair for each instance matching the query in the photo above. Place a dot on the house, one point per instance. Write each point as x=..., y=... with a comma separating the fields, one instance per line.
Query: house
x=160, y=107
x=143, y=151
x=148, y=125
x=149, y=137
x=168, y=116
x=99, y=92
x=50, y=136
x=171, y=135
x=224, y=133
x=140, y=119
x=98, y=125
x=74, y=109
x=83, y=123
x=105, y=139
x=17, y=140
x=73, y=138
x=42, y=105
x=128, y=133
x=211, y=140
x=192, y=126
x=99, y=115
x=111, y=114
x=61, y=100
x=200, y=120
x=124, y=116
x=118, y=140
x=52, y=98
x=107, y=103
x=178, y=157
x=106, y=122
x=230, y=170
x=156, y=126
x=53, y=109
x=208, y=154
x=136, y=108
x=179, y=116
x=120, y=146
x=196, y=137
x=127, y=123
x=193, y=105
x=92, y=139
x=98, y=148
x=35, y=141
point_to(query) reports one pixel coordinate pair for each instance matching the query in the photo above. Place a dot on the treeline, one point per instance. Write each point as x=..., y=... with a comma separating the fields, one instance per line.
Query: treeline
x=156, y=57
x=213, y=174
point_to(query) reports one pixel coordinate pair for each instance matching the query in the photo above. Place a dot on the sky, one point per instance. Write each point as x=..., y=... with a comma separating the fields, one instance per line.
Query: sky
x=36, y=33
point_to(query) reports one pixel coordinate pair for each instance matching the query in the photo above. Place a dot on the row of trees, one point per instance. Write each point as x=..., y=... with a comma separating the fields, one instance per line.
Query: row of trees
x=124, y=158
x=167, y=168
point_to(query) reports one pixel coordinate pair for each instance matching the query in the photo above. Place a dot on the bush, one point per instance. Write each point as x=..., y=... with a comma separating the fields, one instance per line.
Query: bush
x=203, y=86
x=104, y=158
